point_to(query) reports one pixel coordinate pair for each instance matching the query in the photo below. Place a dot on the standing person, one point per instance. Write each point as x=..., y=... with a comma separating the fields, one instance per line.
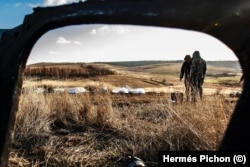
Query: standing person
x=197, y=71
x=185, y=71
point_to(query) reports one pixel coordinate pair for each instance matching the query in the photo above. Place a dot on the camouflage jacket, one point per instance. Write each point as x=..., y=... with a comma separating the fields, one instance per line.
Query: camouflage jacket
x=198, y=67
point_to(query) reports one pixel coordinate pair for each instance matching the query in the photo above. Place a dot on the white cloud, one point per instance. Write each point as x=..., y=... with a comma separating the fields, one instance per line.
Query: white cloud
x=110, y=29
x=20, y=5
x=58, y=2
x=62, y=40
x=93, y=31
x=101, y=30
x=17, y=5
x=46, y=3
x=105, y=28
x=33, y=5
x=121, y=29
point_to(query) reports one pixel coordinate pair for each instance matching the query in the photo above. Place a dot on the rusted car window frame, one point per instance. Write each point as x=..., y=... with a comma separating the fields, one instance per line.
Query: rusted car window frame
x=227, y=20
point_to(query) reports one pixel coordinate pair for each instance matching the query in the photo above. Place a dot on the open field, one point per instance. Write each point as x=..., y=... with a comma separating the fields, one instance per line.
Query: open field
x=98, y=128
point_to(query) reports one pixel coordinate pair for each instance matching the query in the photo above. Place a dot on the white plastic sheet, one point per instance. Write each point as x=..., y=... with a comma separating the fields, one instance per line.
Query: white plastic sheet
x=126, y=89
x=77, y=90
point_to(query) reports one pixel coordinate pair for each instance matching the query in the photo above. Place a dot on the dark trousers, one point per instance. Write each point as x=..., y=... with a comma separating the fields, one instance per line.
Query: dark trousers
x=196, y=87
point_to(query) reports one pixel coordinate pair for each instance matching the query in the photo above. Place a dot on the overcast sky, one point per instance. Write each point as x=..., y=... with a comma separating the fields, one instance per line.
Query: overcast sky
x=91, y=43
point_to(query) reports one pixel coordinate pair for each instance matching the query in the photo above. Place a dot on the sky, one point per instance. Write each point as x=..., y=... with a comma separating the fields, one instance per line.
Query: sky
x=100, y=42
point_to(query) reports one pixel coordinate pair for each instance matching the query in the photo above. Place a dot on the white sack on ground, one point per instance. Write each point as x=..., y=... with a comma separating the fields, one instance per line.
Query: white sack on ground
x=77, y=90
x=40, y=90
x=121, y=90
x=60, y=90
x=137, y=91
x=127, y=89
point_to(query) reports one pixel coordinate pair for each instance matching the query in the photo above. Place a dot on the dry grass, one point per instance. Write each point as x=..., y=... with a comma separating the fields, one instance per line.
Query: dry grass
x=102, y=129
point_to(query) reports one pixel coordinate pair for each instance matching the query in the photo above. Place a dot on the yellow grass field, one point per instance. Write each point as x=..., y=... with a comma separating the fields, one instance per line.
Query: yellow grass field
x=100, y=128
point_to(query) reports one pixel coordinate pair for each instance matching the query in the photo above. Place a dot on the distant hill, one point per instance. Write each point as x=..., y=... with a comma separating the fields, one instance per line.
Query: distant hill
x=82, y=69
x=139, y=63
x=233, y=65
x=57, y=64
x=228, y=64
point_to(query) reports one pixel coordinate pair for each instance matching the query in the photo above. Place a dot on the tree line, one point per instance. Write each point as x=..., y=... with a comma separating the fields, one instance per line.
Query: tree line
x=66, y=72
